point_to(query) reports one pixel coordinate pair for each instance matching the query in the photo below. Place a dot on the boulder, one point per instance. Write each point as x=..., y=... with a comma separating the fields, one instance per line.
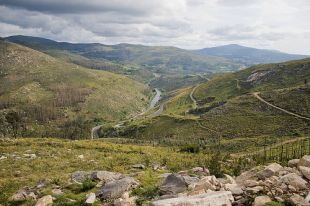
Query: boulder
x=304, y=161
x=218, y=198
x=45, y=201
x=270, y=170
x=293, y=163
x=250, y=183
x=90, y=199
x=207, y=183
x=305, y=171
x=173, y=184
x=106, y=176
x=298, y=200
x=117, y=188
x=80, y=176
x=234, y=188
x=247, y=175
x=261, y=200
x=294, y=180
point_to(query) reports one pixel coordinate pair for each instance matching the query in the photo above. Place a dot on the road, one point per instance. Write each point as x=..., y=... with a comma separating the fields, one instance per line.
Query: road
x=256, y=95
x=192, y=97
x=154, y=101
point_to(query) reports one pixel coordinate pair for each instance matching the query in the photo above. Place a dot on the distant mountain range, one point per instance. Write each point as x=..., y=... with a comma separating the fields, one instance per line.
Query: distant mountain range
x=248, y=55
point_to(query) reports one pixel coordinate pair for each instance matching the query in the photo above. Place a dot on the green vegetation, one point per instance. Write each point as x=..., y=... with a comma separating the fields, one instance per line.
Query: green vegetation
x=43, y=96
x=229, y=113
x=57, y=159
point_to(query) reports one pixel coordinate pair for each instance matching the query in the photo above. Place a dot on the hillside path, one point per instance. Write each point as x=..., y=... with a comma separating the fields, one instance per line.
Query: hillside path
x=192, y=97
x=256, y=95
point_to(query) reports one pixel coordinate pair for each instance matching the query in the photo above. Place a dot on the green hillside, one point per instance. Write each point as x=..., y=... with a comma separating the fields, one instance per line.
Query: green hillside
x=44, y=96
x=137, y=61
x=228, y=113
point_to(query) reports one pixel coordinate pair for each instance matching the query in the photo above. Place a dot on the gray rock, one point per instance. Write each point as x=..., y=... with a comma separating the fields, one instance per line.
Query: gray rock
x=138, y=166
x=117, y=188
x=270, y=170
x=298, y=200
x=57, y=192
x=305, y=171
x=80, y=176
x=234, y=188
x=45, y=201
x=173, y=184
x=261, y=200
x=293, y=163
x=106, y=176
x=218, y=198
x=304, y=161
x=294, y=180
x=90, y=199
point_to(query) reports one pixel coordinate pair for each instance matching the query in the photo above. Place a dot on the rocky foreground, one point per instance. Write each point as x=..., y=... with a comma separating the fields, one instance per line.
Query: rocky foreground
x=257, y=187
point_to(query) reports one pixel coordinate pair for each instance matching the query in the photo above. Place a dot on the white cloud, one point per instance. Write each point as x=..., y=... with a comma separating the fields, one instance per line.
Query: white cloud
x=272, y=24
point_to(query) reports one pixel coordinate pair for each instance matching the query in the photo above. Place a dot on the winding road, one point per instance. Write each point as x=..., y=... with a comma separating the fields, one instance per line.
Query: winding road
x=256, y=95
x=154, y=101
x=192, y=97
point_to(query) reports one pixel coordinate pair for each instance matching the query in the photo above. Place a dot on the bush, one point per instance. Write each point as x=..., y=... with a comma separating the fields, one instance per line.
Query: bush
x=87, y=184
x=191, y=148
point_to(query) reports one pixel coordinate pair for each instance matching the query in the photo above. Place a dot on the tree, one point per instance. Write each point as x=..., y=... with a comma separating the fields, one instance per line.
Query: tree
x=14, y=119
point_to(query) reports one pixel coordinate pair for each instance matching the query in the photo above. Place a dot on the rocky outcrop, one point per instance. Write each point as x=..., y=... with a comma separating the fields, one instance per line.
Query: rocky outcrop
x=218, y=198
x=117, y=188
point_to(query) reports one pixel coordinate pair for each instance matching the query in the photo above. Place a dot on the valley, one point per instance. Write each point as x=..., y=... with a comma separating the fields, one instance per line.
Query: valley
x=90, y=109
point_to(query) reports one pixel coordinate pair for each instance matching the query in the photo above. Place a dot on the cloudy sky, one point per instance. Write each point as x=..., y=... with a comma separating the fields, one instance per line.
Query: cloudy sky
x=274, y=24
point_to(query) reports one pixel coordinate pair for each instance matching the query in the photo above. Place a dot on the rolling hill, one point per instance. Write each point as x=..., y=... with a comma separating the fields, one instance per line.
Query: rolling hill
x=228, y=113
x=249, y=56
x=158, y=59
x=44, y=96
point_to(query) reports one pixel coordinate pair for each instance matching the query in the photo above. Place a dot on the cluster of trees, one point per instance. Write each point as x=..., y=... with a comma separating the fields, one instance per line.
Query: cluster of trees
x=11, y=124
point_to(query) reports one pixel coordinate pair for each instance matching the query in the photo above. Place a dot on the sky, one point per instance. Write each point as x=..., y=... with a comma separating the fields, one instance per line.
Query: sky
x=190, y=24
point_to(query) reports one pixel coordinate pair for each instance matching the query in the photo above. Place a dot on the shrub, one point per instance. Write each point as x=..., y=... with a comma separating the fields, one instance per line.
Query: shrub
x=87, y=184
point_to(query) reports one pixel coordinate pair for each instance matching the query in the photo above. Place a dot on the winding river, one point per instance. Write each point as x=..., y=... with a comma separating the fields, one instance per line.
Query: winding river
x=154, y=101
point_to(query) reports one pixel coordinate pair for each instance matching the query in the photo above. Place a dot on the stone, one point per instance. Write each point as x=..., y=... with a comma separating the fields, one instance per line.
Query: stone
x=125, y=200
x=106, y=176
x=251, y=183
x=234, y=188
x=261, y=200
x=298, y=200
x=18, y=197
x=42, y=184
x=247, y=175
x=80, y=176
x=305, y=171
x=30, y=156
x=294, y=180
x=270, y=170
x=190, y=180
x=117, y=188
x=304, y=161
x=229, y=179
x=138, y=166
x=81, y=157
x=307, y=199
x=254, y=190
x=218, y=198
x=45, y=201
x=207, y=183
x=57, y=192
x=3, y=157
x=173, y=184
x=90, y=199
x=293, y=163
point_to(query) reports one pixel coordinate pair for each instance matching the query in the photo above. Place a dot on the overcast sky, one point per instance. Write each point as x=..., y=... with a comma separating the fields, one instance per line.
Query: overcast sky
x=274, y=24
